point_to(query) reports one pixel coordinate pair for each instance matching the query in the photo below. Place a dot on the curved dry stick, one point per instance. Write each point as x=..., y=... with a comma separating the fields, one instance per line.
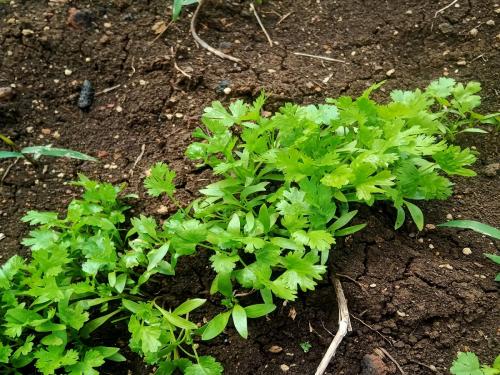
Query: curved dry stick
x=344, y=327
x=204, y=44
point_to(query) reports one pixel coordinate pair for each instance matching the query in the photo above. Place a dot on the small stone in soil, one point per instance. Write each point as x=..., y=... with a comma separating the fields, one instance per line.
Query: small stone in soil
x=284, y=368
x=466, y=251
x=390, y=72
x=68, y=72
x=86, y=95
x=222, y=85
x=79, y=19
x=6, y=94
x=474, y=32
x=490, y=170
x=275, y=349
x=445, y=28
x=373, y=365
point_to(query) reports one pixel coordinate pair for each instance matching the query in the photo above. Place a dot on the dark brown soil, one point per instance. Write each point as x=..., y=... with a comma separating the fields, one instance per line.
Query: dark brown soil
x=422, y=297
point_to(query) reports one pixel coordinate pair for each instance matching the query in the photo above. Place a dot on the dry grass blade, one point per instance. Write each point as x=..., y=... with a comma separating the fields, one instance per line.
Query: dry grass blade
x=252, y=7
x=320, y=57
x=344, y=327
x=204, y=44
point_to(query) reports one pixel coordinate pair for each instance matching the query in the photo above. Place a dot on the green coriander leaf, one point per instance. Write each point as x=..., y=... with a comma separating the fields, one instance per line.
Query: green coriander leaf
x=160, y=180
x=206, y=366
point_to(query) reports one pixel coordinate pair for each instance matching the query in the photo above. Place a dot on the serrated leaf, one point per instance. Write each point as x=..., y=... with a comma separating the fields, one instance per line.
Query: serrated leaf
x=160, y=180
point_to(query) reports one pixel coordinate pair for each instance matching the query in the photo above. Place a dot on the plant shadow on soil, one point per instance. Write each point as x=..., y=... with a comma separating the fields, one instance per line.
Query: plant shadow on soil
x=425, y=299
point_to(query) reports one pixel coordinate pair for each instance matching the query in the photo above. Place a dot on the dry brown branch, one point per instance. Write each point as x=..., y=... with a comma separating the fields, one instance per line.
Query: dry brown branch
x=252, y=7
x=382, y=352
x=320, y=57
x=344, y=327
x=204, y=44
x=444, y=8
x=141, y=154
x=374, y=330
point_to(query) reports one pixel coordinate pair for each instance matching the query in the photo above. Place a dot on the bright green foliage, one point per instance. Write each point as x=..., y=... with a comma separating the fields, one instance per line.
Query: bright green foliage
x=468, y=364
x=305, y=346
x=286, y=181
x=160, y=181
x=85, y=271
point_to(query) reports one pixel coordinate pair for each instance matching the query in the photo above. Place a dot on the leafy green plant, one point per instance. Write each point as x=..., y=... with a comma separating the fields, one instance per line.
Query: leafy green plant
x=305, y=346
x=468, y=364
x=478, y=227
x=287, y=182
x=86, y=272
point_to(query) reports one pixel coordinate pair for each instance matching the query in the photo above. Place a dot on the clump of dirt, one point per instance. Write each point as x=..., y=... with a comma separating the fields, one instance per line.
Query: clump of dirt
x=415, y=294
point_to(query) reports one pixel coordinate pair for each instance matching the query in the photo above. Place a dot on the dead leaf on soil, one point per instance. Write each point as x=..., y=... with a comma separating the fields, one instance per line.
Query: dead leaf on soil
x=292, y=313
x=159, y=27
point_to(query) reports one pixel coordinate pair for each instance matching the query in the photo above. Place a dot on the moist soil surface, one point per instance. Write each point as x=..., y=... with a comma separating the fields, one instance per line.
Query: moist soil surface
x=415, y=294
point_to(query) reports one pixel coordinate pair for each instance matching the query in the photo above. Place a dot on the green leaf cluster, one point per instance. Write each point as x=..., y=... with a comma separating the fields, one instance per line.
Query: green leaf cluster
x=87, y=271
x=468, y=364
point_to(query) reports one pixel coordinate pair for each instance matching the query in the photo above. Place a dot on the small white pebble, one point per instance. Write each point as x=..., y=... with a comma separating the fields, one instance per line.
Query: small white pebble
x=227, y=90
x=162, y=210
x=10, y=53
x=490, y=23
x=107, y=25
x=461, y=62
x=119, y=109
x=390, y=72
x=60, y=175
x=420, y=240
x=68, y=72
x=400, y=313
x=409, y=11
x=179, y=115
x=466, y=251
x=430, y=226
x=449, y=217
x=142, y=82
x=284, y=368
x=431, y=246
x=474, y=32
x=482, y=277
x=395, y=32
x=447, y=266
x=88, y=59
x=271, y=71
x=497, y=10
x=373, y=285
x=27, y=32
x=170, y=116
x=29, y=129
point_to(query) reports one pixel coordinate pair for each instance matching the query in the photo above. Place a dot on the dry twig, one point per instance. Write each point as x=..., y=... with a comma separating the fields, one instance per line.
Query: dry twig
x=363, y=289
x=344, y=327
x=320, y=57
x=382, y=352
x=284, y=18
x=204, y=44
x=432, y=368
x=143, y=148
x=444, y=8
x=8, y=170
x=252, y=7
x=109, y=89
x=373, y=329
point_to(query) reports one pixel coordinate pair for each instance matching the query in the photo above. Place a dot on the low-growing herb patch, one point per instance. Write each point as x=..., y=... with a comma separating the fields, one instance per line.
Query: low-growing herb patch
x=286, y=189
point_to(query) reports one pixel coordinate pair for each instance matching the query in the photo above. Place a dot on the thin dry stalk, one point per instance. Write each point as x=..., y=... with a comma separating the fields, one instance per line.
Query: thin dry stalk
x=204, y=44
x=143, y=148
x=344, y=327
x=386, y=353
x=320, y=57
x=252, y=7
x=444, y=8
